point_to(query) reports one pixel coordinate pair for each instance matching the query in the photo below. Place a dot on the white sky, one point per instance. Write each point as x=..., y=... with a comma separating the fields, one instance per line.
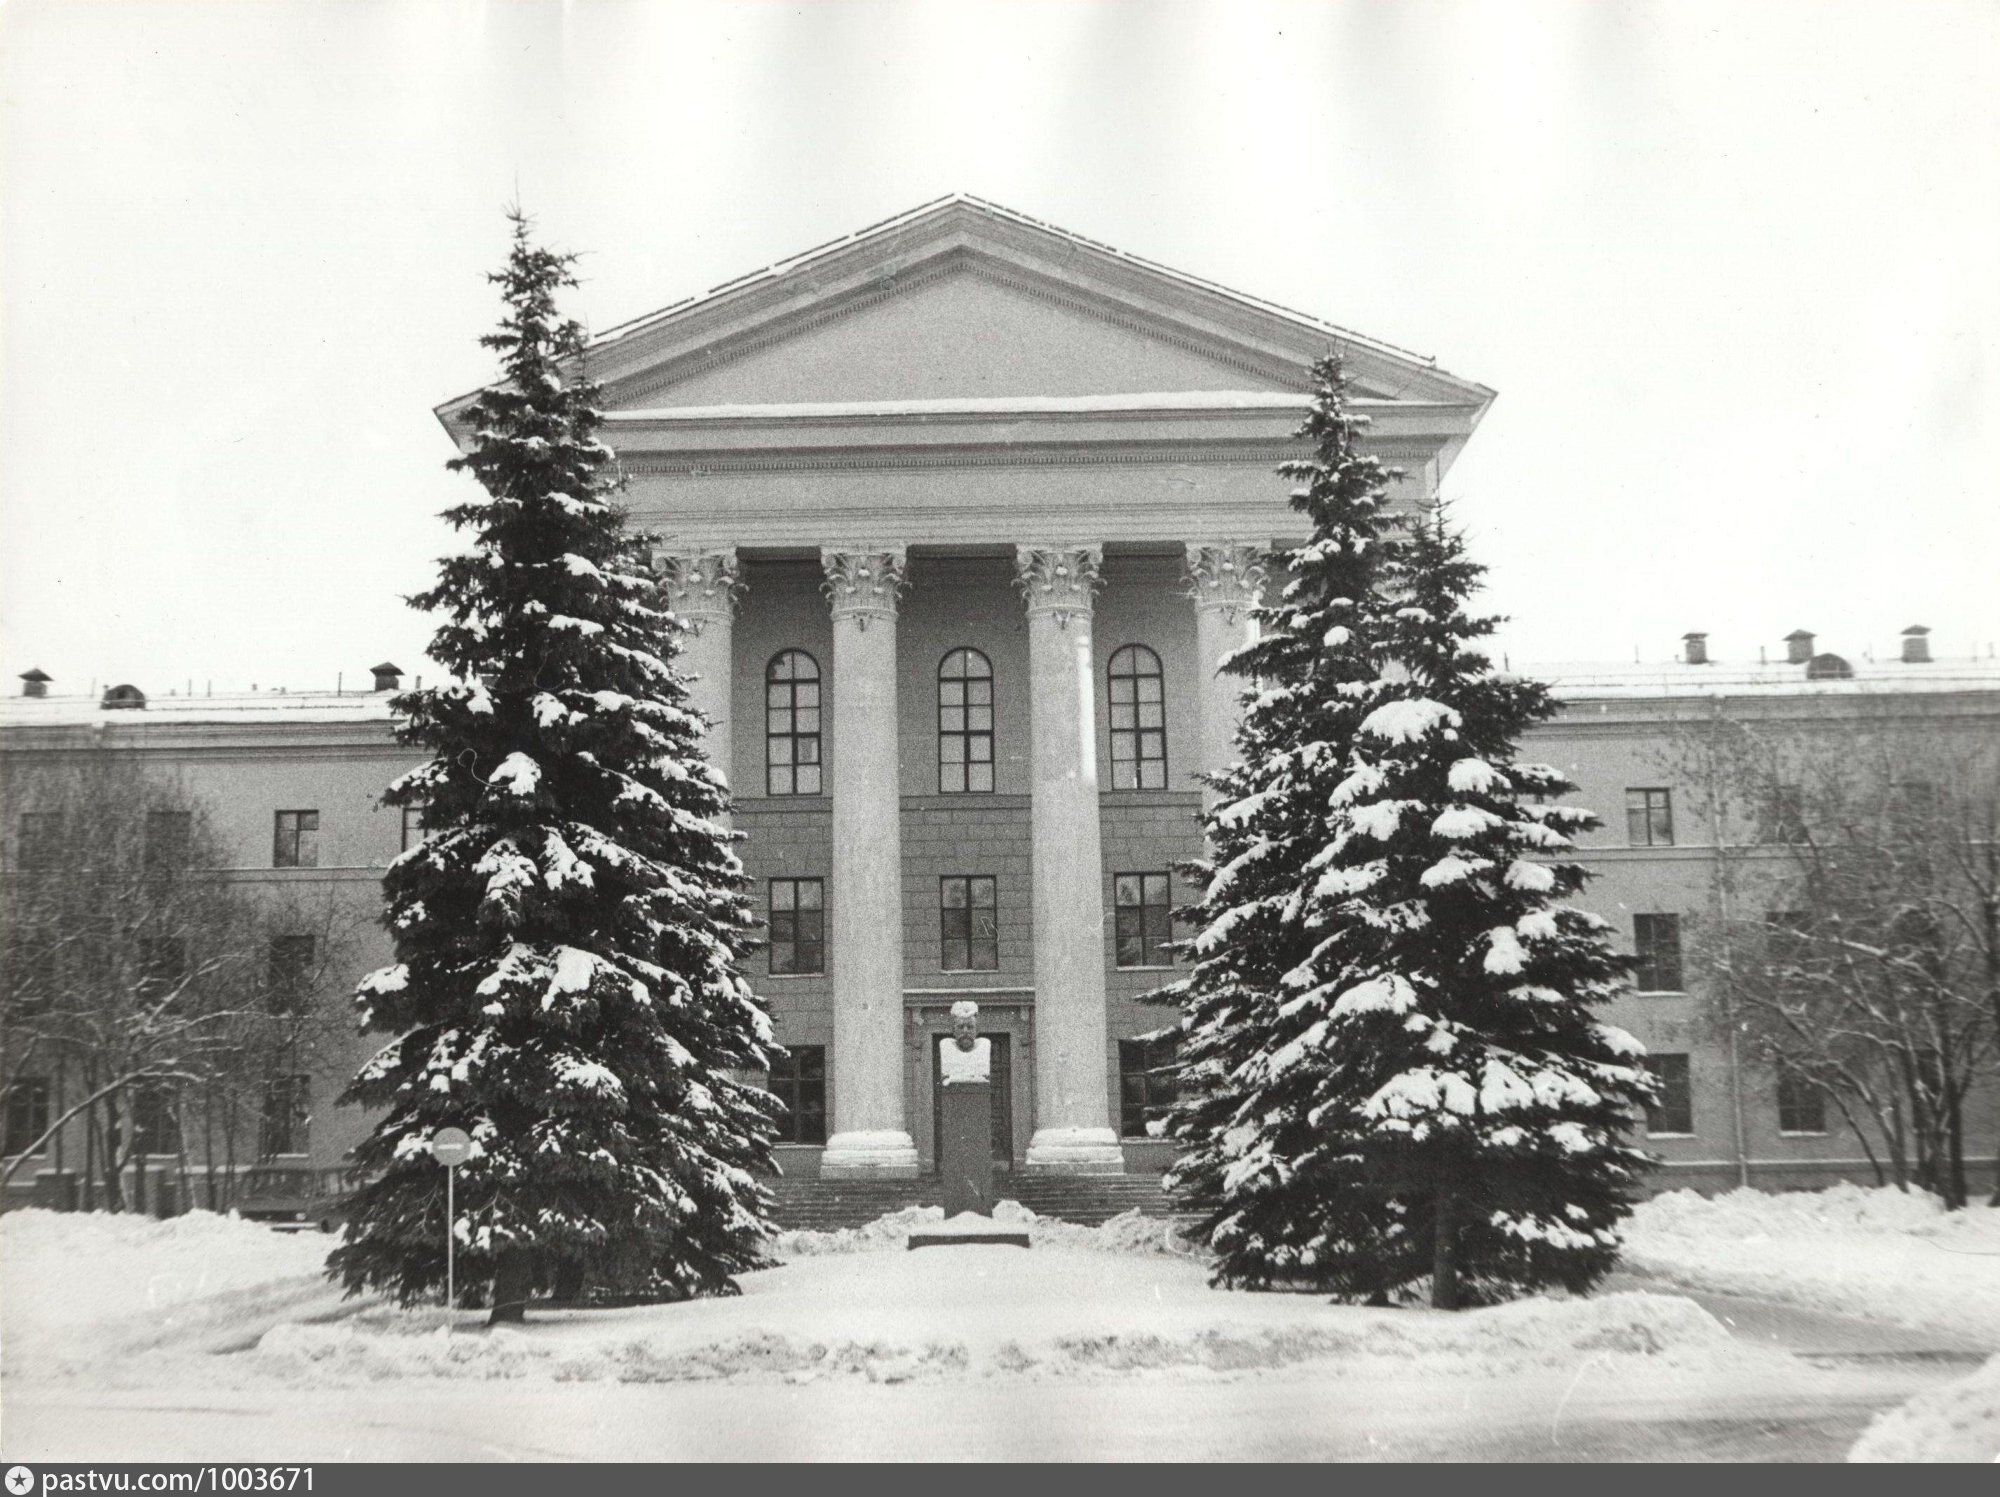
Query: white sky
x=1734, y=270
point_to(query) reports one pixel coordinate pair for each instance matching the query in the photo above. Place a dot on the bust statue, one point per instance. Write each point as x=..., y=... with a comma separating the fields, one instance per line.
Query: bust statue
x=965, y=1056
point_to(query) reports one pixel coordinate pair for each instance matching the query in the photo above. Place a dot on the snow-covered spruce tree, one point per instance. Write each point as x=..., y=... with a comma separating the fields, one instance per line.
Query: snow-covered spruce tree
x=1466, y=1093
x=1241, y=1132
x=567, y=983
x=1423, y=1092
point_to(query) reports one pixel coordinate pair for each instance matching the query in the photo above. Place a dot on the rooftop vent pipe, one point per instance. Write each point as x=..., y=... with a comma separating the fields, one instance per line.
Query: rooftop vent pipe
x=1917, y=645
x=35, y=682
x=1798, y=647
x=1696, y=648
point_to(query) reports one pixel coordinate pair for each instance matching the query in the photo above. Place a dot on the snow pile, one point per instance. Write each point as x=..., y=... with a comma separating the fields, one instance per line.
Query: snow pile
x=85, y=1286
x=884, y=1234
x=1000, y=1312
x=1957, y=1422
x=1129, y=1232
x=1879, y=1254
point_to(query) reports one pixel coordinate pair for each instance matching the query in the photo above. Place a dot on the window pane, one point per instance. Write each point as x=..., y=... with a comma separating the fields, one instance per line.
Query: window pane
x=809, y=779
x=980, y=778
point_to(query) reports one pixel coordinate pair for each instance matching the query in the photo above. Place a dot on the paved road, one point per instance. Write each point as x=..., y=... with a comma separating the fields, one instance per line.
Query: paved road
x=1294, y=1417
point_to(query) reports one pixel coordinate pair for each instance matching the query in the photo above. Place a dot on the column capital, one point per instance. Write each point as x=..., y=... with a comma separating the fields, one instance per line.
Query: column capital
x=1058, y=580
x=862, y=584
x=700, y=585
x=1227, y=576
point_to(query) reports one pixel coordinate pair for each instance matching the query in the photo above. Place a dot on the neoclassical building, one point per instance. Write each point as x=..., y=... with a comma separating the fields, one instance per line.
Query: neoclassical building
x=965, y=510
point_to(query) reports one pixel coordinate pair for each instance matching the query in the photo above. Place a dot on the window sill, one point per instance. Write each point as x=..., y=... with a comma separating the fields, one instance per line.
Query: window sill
x=1651, y=1136
x=1659, y=992
x=791, y=976
x=1803, y=1133
x=1166, y=967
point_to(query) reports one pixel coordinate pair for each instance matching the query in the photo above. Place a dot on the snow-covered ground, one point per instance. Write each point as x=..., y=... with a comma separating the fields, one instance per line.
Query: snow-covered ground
x=1877, y=1254
x=1958, y=1422
x=85, y=1289
x=98, y=1308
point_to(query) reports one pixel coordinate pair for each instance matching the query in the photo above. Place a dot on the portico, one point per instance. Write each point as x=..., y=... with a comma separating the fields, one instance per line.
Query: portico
x=962, y=513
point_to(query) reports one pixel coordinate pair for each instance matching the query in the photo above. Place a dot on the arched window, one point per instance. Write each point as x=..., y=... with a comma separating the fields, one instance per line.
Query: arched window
x=965, y=723
x=791, y=724
x=1138, y=720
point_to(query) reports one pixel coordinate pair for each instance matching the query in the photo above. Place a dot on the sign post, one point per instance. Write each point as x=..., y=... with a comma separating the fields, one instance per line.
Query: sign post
x=451, y=1147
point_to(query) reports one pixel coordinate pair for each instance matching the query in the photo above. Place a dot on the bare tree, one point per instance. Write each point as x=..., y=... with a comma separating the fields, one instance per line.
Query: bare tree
x=1856, y=949
x=138, y=977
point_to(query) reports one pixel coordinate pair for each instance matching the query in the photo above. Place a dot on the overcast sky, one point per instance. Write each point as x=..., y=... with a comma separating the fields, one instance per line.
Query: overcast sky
x=1732, y=269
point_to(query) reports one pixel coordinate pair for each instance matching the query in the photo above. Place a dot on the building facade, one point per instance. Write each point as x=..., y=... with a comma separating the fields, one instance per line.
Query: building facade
x=965, y=511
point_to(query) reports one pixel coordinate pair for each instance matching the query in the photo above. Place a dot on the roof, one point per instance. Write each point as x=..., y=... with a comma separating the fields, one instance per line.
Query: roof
x=794, y=263
x=299, y=707
x=1587, y=681
x=697, y=331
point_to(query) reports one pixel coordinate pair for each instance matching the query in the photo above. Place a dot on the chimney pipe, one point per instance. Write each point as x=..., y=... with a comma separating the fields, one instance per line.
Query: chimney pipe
x=388, y=677
x=1696, y=648
x=35, y=682
x=1798, y=647
x=1917, y=645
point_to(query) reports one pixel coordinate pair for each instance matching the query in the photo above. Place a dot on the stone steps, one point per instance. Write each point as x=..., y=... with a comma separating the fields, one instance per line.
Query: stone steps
x=829, y=1205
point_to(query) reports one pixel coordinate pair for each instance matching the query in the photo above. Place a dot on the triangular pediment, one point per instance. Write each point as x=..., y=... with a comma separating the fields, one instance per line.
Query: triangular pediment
x=960, y=326
x=962, y=299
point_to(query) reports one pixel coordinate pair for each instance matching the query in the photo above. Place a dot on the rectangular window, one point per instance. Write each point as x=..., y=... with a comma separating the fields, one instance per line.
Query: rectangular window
x=1657, y=941
x=1649, y=817
x=295, y=841
x=798, y=1079
x=31, y=974
x=1142, y=915
x=798, y=926
x=290, y=972
x=287, y=1118
x=413, y=826
x=169, y=834
x=1788, y=815
x=156, y=1126
x=27, y=1114
x=41, y=839
x=1673, y=1112
x=1147, y=1085
x=162, y=968
x=1801, y=1103
x=968, y=924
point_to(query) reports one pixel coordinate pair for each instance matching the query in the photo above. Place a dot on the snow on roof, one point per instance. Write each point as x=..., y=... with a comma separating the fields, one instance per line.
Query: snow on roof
x=300, y=707
x=1591, y=680
x=781, y=268
x=975, y=405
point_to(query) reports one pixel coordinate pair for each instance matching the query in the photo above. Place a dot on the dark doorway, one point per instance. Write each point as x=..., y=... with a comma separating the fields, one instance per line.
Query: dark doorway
x=1003, y=1101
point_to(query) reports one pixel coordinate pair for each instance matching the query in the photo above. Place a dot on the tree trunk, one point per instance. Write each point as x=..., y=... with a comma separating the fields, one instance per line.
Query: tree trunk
x=1444, y=1254
x=513, y=1277
x=569, y=1282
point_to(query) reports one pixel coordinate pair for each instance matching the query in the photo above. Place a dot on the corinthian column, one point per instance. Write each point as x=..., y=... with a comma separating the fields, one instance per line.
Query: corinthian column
x=1225, y=581
x=702, y=587
x=870, y=1137
x=1072, y=1097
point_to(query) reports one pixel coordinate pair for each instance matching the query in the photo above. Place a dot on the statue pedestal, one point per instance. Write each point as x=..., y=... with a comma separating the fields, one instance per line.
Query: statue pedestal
x=965, y=1159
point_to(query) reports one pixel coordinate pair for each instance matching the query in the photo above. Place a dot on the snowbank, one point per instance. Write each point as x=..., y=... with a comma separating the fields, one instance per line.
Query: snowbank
x=1879, y=1254
x=82, y=1287
x=986, y=1312
x=1958, y=1422
x=1130, y=1232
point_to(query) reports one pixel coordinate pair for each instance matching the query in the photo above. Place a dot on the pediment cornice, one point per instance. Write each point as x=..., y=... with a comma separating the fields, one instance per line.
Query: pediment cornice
x=639, y=363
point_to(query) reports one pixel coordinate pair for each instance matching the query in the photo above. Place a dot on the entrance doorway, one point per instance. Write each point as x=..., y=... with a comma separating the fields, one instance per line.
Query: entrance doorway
x=1003, y=1100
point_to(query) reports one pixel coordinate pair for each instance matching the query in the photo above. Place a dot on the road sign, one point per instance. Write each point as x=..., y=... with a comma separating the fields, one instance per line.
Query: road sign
x=451, y=1147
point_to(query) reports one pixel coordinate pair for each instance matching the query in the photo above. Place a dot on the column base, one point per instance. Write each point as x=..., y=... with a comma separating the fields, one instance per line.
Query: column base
x=1074, y=1151
x=883, y=1154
